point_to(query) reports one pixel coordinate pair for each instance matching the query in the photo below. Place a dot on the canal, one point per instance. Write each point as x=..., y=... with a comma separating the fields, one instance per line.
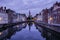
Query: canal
x=26, y=34
x=21, y=32
x=28, y=31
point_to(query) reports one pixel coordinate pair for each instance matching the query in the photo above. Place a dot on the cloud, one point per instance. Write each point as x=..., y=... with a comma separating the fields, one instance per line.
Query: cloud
x=24, y=5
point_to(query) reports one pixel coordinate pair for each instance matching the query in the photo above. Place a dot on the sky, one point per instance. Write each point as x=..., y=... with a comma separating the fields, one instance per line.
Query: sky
x=23, y=6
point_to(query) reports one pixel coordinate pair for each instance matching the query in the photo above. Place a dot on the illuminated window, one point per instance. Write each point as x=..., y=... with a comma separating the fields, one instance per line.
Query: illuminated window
x=0, y=18
x=0, y=33
x=50, y=18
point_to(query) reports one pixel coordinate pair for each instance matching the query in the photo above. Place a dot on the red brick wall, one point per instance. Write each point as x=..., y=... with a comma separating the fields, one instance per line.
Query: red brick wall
x=45, y=17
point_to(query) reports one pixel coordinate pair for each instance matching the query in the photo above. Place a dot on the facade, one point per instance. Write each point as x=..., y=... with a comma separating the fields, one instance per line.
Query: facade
x=3, y=16
x=15, y=18
x=11, y=15
x=21, y=17
x=38, y=17
x=52, y=15
x=45, y=15
x=7, y=15
x=55, y=13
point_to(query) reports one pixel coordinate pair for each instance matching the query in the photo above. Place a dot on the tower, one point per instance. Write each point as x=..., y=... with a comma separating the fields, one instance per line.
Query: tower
x=29, y=18
x=30, y=14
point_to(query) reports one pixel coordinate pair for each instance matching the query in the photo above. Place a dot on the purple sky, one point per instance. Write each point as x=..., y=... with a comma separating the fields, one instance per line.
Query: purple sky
x=23, y=6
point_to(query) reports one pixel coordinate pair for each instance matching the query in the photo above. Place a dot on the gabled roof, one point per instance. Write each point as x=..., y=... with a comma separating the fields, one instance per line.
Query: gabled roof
x=57, y=3
x=9, y=10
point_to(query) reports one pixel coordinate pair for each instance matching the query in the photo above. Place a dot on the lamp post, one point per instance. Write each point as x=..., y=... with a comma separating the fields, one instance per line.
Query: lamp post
x=0, y=18
x=51, y=19
x=0, y=33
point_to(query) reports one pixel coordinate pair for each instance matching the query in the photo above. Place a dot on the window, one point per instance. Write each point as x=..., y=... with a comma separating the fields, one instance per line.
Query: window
x=55, y=12
x=58, y=11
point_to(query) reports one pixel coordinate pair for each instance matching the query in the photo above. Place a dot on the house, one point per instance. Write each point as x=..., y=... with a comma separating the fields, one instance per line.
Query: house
x=55, y=13
x=21, y=18
x=52, y=15
x=3, y=15
x=11, y=15
x=44, y=13
x=38, y=17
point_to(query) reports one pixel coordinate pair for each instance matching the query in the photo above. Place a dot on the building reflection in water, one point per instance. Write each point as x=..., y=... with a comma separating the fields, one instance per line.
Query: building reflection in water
x=29, y=18
x=9, y=32
x=20, y=18
x=30, y=25
x=48, y=34
x=3, y=34
x=6, y=34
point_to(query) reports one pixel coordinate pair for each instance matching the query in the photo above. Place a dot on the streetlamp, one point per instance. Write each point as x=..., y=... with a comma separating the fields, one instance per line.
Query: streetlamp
x=39, y=19
x=0, y=18
x=0, y=33
x=51, y=19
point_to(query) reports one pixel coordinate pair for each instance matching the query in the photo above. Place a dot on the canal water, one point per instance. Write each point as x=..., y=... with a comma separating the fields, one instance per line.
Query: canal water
x=23, y=33
x=26, y=34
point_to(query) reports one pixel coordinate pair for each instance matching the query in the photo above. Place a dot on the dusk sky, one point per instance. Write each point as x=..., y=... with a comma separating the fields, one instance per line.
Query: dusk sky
x=23, y=6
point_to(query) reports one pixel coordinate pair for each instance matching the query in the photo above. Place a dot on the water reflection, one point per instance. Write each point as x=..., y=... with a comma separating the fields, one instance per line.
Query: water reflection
x=25, y=32
x=30, y=25
x=21, y=26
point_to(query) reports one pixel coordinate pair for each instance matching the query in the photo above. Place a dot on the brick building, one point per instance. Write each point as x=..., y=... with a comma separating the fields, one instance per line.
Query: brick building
x=11, y=15
x=45, y=15
x=55, y=13
x=38, y=17
x=3, y=15
x=52, y=15
x=21, y=17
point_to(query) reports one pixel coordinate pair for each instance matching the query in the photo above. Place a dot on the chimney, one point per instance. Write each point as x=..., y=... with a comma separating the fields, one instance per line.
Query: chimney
x=1, y=8
x=5, y=9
